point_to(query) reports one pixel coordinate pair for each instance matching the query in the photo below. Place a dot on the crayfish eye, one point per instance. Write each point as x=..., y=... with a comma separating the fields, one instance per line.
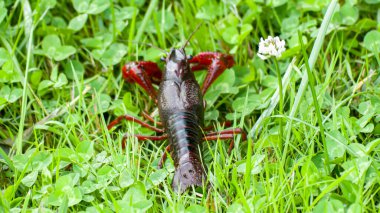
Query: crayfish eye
x=163, y=58
x=189, y=57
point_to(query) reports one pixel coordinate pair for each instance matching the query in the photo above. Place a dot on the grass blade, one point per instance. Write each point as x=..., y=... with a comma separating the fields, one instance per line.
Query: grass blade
x=305, y=79
x=255, y=131
x=25, y=87
x=147, y=16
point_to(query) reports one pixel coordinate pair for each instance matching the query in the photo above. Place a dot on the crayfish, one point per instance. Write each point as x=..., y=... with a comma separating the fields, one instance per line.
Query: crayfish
x=181, y=108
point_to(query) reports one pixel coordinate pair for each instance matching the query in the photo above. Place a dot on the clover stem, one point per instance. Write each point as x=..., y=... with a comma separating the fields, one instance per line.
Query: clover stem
x=281, y=110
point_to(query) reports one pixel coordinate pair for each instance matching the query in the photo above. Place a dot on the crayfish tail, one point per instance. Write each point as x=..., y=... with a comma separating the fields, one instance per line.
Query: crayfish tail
x=187, y=174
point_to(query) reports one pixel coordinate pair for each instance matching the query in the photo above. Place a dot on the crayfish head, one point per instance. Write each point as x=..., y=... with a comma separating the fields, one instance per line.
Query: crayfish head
x=177, y=55
x=177, y=66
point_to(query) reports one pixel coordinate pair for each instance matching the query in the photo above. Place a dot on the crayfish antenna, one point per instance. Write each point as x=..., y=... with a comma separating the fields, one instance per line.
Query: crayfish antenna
x=191, y=35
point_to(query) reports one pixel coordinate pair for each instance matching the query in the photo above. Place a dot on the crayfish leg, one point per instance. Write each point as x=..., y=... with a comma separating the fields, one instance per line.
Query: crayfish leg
x=133, y=119
x=225, y=135
x=163, y=158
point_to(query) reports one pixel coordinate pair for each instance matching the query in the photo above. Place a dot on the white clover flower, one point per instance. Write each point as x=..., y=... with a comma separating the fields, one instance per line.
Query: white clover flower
x=271, y=47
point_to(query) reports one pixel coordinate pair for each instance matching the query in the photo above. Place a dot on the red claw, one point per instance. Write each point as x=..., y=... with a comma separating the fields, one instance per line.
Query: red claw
x=214, y=62
x=143, y=73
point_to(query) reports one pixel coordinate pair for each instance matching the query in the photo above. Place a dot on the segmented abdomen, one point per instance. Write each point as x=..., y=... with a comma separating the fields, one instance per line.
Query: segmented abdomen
x=185, y=133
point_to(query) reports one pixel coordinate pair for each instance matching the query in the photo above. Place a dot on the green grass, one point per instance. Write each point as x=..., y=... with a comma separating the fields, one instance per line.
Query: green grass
x=60, y=85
